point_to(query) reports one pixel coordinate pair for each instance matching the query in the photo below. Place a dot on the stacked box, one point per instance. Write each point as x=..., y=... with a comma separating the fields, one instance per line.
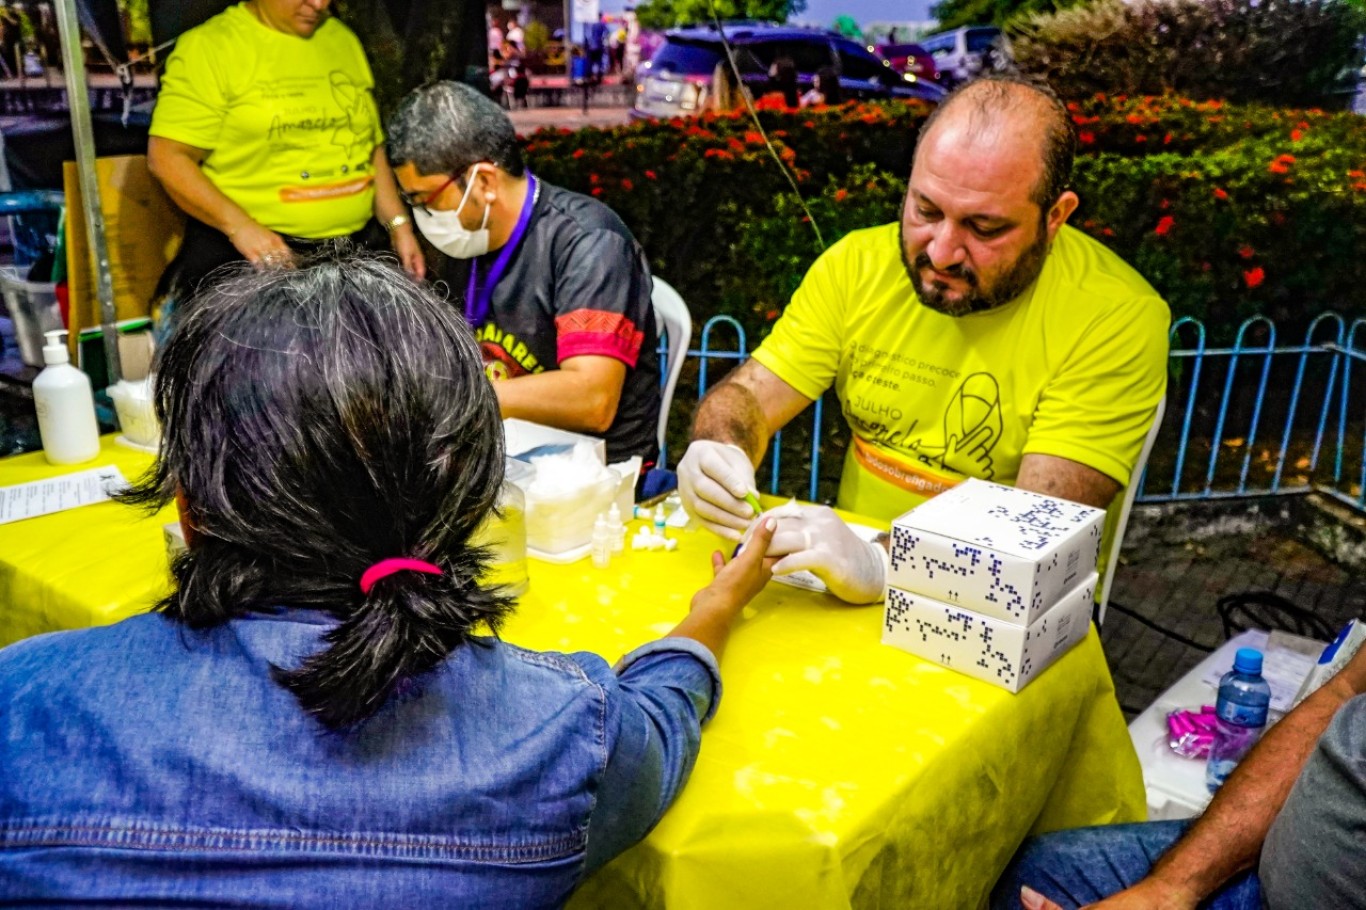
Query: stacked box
x=1002, y=653
x=993, y=581
x=1003, y=552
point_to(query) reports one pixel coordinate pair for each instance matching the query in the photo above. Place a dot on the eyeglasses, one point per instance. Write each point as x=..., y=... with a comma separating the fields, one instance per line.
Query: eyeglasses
x=412, y=201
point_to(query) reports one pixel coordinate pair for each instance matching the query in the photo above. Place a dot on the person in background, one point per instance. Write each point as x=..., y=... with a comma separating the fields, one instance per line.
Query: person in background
x=724, y=94
x=555, y=286
x=978, y=337
x=516, y=35
x=266, y=134
x=1283, y=833
x=321, y=713
x=495, y=34
x=782, y=83
x=825, y=89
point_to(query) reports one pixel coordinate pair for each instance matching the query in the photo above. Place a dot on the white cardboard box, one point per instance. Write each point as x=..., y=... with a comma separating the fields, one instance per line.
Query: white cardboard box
x=992, y=650
x=1003, y=552
x=523, y=436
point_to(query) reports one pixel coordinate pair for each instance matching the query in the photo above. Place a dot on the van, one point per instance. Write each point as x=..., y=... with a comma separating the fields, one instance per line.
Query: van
x=963, y=53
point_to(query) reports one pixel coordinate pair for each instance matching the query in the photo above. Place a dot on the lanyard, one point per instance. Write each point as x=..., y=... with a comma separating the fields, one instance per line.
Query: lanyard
x=478, y=299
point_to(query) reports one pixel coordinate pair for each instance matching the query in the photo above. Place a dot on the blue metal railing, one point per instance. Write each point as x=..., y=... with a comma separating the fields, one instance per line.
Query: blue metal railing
x=1259, y=418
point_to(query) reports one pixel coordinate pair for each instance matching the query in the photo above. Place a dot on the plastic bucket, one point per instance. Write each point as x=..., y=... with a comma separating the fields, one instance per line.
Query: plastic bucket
x=33, y=307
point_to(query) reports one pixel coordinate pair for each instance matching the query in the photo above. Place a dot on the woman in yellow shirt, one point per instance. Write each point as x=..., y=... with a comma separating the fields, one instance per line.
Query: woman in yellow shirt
x=266, y=134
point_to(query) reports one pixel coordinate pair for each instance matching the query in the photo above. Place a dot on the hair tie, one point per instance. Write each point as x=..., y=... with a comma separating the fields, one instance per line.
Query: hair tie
x=386, y=567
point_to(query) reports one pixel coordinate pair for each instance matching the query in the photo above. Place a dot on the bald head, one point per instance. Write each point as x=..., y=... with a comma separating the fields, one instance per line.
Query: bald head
x=1011, y=116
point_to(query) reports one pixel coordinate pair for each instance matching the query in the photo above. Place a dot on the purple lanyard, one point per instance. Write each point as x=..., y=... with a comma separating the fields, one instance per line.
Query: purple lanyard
x=478, y=299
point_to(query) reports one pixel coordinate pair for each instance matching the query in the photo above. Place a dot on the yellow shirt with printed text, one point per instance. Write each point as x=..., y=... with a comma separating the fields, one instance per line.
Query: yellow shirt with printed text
x=1074, y=368
x=290, y=123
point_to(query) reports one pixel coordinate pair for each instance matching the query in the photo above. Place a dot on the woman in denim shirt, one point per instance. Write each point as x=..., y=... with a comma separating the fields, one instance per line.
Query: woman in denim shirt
x=308, y=719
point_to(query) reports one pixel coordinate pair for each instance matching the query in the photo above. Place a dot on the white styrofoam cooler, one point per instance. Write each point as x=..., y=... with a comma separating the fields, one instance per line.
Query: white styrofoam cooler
x=990, y=649
x=1002, y=552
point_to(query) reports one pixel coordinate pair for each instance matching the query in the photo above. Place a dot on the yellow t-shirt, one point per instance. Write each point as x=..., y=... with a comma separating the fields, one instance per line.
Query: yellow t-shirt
x=1073, y=368
x=290, y=123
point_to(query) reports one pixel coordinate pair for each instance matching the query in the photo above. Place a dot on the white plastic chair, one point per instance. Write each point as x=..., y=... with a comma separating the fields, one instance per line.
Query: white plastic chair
x=1130, y=492
x=674, y=322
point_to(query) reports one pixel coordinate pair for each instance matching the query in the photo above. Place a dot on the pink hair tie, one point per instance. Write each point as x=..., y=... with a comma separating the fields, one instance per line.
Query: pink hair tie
x=386, y=567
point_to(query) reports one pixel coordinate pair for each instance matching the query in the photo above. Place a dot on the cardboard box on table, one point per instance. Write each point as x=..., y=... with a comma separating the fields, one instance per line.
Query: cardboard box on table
x=143, y=230
x=993, y=650
x=1008, y=554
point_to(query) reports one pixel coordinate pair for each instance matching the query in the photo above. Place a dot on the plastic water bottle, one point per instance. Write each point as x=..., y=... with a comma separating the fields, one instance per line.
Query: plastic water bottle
x=1240, y=715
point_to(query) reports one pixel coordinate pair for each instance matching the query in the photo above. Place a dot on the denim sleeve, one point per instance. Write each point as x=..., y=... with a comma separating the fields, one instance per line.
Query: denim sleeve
x=665, y=691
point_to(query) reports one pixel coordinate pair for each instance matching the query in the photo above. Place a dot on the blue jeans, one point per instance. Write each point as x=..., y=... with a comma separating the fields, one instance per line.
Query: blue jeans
x=1085, y=865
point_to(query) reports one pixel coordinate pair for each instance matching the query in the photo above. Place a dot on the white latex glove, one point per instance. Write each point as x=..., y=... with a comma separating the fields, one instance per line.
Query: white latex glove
x=815, y=539
x=713, y=479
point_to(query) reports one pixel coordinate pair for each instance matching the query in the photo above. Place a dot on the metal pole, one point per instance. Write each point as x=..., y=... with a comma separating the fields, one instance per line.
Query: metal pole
x=73, y=65
x=568, y=47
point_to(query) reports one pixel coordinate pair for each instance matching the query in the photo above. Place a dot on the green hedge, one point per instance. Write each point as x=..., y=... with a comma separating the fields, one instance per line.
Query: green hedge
x=1229, y=211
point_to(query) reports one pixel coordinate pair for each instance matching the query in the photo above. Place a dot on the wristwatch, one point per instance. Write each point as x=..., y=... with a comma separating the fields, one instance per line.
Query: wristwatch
x=395, y=222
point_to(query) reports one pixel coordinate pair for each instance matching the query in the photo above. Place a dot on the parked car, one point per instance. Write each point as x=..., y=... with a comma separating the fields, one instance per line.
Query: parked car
x=963, y=53
x=677, y=79
x=909, y=58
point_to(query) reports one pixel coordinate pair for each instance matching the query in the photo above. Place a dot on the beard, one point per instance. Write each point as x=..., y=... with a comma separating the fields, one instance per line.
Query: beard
x=976, y=299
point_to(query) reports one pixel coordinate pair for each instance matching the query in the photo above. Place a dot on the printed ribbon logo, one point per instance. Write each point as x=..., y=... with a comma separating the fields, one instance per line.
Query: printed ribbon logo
x=352, y=102
x=972, y=427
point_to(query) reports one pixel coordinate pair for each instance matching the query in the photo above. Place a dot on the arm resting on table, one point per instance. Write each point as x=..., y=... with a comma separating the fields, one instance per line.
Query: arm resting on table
x=582, y=395
x=1228, y=837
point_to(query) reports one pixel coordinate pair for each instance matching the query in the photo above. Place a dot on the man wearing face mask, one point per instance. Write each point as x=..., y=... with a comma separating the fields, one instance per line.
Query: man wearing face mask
x=555, y=286
x=979, y=337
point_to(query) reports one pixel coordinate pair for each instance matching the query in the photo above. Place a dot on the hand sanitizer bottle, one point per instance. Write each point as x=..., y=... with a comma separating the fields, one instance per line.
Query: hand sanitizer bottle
x=66, y=407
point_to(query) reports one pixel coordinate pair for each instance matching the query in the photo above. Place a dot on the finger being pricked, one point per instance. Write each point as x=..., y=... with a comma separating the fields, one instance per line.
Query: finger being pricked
x=755, y=546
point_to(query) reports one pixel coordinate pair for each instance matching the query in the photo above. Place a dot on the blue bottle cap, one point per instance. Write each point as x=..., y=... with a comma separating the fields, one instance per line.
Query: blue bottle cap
x=1248, y=660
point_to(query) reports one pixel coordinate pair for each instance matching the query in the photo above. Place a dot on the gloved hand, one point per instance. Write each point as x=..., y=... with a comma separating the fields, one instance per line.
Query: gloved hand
x=713, y=478
x=815, y=539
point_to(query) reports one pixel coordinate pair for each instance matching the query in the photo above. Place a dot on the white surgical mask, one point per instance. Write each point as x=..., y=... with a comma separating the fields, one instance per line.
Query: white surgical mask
x=448, y=235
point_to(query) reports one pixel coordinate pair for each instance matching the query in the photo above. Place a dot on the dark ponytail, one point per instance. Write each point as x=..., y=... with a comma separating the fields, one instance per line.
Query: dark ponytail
x=319, y=420
x=401, y=629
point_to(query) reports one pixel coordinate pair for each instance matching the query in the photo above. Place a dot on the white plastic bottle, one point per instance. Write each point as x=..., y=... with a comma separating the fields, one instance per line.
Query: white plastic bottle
x=601, y=544
x=66, y=407
x=616, y=530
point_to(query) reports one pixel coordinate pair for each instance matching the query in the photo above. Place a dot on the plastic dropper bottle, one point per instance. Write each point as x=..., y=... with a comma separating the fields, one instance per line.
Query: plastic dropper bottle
x=616, y=530
x=66, y=406
x=601, y=543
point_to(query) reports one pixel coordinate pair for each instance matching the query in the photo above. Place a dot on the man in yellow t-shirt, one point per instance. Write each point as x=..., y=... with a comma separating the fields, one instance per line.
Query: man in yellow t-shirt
x=979, y=337
x=266, y=134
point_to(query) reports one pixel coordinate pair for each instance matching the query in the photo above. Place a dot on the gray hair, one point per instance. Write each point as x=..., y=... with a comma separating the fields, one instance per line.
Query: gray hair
x=444, y=127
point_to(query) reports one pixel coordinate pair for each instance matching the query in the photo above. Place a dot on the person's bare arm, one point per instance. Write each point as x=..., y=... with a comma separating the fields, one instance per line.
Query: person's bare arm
x=1066, y=479
x=582, y=395
x=747, y=408
x=178, y=167
x=388, y=206
x=715, y=608
x=1228, y=837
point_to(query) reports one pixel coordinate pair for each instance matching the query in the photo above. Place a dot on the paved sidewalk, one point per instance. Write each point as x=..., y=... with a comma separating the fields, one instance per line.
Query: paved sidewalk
x=1177, y=587
x=529, y=120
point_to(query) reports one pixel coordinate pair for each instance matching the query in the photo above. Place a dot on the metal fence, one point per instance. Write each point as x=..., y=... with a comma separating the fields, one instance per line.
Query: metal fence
x=1257, y=418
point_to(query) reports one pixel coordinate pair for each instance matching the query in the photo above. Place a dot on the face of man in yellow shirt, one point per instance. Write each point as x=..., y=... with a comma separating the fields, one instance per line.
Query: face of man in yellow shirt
x=973, y=235
x=293, y=17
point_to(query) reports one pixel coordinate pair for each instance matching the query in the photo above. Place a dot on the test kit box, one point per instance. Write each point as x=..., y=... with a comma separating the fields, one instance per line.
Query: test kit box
x=1002, y=552
x=995, y=651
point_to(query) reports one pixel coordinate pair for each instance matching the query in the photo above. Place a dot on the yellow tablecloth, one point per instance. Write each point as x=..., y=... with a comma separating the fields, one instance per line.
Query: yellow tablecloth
x=839, y=772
